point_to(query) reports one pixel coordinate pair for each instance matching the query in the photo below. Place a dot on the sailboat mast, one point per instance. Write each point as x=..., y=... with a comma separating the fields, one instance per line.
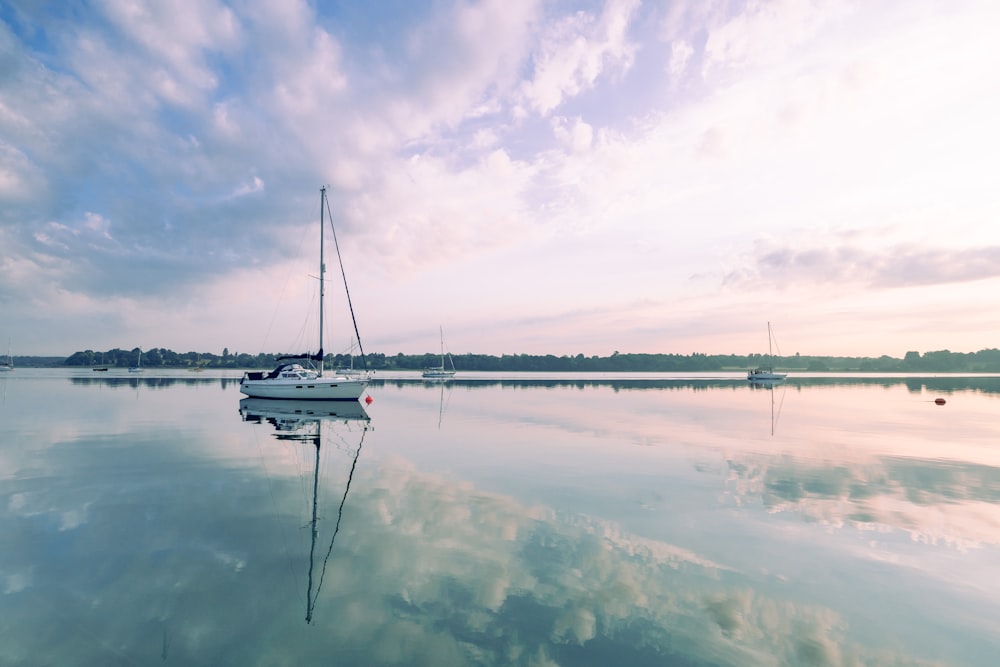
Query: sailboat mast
x=769, y=352
x=441, y=331
x=322, y=270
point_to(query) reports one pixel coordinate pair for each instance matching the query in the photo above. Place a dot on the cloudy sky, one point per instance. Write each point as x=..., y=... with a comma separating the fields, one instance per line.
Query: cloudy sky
x=534, y=177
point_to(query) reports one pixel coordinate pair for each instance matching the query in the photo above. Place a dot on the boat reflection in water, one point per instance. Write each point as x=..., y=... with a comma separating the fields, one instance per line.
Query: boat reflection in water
x=287, y=415
x=304, y=421
x=769, y=386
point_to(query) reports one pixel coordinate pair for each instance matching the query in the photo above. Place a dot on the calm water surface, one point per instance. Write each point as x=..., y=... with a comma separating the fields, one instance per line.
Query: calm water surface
x=500, y=521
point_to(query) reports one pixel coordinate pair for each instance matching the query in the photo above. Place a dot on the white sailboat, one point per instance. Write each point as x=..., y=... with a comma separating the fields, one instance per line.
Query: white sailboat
x=138, y=366
x=766, y=373
x=7, y=366
x=440, y=372
x=349, y=370
x=291, y=380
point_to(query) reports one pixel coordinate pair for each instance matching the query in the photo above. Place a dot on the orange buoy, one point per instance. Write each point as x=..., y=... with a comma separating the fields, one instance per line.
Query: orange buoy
x=369, y=399
x=939, y=401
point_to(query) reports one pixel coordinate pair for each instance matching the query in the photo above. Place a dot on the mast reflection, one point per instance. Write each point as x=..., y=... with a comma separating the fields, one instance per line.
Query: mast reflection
x=769, y=386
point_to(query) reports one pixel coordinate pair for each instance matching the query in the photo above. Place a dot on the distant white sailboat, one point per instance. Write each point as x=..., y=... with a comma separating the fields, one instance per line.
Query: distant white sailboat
x=440, y=372
x=138, y=366
x=7, y=366
x=349, y=370
x=766, y=373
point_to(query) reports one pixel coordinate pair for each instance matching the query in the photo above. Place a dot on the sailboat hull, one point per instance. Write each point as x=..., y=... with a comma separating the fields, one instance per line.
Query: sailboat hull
x=432, y=374
x=765, y=376
x=316, y=389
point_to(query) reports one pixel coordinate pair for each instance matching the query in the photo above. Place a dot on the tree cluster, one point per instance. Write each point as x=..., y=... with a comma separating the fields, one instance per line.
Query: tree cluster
x=944, y=361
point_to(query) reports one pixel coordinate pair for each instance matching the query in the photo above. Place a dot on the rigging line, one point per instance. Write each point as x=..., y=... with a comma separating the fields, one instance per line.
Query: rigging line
x=340, y=514
x=343, y=274
x=780, y=404
x=444, y=404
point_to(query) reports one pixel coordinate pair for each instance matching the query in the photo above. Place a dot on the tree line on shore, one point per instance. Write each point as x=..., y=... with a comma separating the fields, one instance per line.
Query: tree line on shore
x=943, y=361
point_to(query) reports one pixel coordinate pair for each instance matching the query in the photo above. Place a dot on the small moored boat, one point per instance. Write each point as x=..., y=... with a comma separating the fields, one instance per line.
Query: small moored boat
x=440, y=372
x=766, y=374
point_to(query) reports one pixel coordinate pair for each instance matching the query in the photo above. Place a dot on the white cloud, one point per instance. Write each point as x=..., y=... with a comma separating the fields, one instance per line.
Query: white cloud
x=767, y=32
x=17, y=581
x=431, y=213
x=98, y=224
x=255, y=185
x=838, y=263
x=680, y=53
x=576, y=50
x=19, y=178
x=574, y=133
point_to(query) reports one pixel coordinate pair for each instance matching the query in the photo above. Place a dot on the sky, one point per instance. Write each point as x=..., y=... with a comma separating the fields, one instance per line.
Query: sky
x=564, y=177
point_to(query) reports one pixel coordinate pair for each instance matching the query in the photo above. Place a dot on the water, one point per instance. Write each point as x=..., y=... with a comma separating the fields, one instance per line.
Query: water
x=597, y=520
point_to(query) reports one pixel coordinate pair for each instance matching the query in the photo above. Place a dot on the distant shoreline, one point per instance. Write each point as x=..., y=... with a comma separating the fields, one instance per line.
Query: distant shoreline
x=944, y=361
